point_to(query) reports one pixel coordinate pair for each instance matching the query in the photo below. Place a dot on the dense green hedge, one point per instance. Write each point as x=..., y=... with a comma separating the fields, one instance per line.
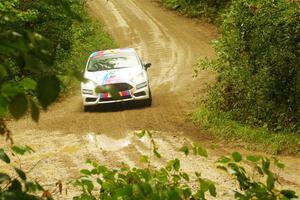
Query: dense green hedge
x=211, y=9
x=258, y=61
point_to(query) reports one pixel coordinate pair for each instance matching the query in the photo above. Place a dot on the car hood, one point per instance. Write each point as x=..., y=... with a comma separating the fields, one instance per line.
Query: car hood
x=122, y=75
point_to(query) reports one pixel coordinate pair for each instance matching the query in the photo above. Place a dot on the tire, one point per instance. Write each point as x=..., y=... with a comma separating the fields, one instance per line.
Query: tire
x=148, y=102
x=87, y=108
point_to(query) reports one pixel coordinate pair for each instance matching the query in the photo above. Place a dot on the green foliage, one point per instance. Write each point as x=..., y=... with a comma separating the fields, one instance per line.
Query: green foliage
x=170, y=182
x=4, y=157
x=249, y=186
x=185, y=150
x=236, y=157
x=206, y=186
x=18, y=106
x=126, y=183
x=88, y=37
x=199, y=150
x=258, y=65
x=220, y=125
x=16, y=185
x=211, y=9
x=47, y=90
x=146, y=133
x=21, y=150
x=31, y=33
x=42, y=52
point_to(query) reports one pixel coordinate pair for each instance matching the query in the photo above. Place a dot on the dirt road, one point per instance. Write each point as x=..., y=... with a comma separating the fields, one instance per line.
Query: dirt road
x=66, y=136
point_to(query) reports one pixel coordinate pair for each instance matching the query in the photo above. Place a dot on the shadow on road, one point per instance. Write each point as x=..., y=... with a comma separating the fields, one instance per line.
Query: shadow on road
x=116, y=107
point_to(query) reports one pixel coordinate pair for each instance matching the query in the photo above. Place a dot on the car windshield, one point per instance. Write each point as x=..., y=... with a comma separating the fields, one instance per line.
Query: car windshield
x=113, y=61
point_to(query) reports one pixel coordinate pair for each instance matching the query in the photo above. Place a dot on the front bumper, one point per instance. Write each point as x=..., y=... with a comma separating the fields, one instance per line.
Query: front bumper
x=91, y=98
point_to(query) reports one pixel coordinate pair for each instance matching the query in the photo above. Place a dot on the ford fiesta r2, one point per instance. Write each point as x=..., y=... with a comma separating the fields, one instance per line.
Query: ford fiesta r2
x=115, y=75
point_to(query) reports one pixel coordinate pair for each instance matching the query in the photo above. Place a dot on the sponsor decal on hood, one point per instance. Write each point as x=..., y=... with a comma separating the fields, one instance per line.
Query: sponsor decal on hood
x=123, y=75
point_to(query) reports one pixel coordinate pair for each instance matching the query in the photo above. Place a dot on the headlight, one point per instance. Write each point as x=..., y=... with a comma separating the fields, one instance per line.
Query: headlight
x=88, y=82
x=85, y=91
x=138, y=78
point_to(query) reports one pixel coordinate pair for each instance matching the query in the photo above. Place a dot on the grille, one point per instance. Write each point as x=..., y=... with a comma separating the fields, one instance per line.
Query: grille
x=111, y=88
x=115, y=98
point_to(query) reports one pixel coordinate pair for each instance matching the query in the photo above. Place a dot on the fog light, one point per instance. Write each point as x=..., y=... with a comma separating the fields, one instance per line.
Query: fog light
x=89, y=99
x=139, y=94
x=141, y=85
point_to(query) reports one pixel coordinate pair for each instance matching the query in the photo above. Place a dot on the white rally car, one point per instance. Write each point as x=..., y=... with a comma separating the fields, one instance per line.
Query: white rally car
x=115, y=75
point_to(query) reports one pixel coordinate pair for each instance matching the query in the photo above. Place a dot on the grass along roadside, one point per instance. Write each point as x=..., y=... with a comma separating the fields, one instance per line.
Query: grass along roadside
x=252, y=138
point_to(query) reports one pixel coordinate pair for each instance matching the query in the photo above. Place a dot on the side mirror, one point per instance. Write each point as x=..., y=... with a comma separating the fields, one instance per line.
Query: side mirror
x=147, y=65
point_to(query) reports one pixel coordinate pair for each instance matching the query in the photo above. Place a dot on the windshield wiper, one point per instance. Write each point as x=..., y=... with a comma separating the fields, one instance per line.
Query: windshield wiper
x=107, y=69
x=93, y=70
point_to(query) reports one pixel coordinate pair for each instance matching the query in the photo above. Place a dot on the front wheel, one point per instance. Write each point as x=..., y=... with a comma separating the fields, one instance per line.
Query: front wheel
x=87, y=108
x=148, y=102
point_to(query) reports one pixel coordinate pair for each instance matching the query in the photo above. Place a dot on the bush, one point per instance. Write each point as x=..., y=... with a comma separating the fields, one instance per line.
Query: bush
x=40, y=49
x=258, y=60
x=252, y=138
x=87, y=37
x=210, y=9
x=170, y=182
x=28, y=76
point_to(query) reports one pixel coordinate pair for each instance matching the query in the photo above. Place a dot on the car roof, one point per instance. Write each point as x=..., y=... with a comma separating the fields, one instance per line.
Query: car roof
x=111, y=51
